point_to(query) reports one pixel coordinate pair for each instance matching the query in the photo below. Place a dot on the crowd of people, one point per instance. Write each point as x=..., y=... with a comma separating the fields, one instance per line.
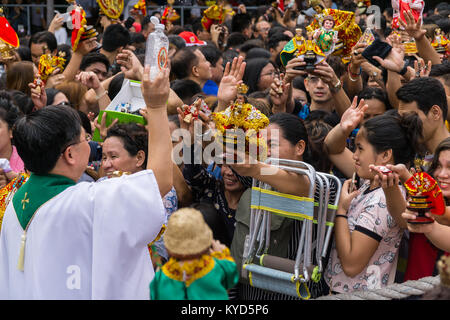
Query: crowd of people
x=99, y=209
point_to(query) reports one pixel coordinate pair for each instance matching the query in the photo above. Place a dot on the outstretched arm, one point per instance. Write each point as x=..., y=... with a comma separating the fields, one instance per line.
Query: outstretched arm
x=155, y=94
x=424, y=47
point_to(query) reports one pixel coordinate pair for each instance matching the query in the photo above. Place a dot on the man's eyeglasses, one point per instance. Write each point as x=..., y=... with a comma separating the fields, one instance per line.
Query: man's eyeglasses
x=87, y=138
x=313, y=79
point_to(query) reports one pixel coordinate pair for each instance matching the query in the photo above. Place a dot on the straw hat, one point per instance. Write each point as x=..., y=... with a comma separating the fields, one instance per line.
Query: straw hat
x=187, y=233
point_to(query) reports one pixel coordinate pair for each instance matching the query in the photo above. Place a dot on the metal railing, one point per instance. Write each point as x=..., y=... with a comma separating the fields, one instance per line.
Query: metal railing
x=63, y=7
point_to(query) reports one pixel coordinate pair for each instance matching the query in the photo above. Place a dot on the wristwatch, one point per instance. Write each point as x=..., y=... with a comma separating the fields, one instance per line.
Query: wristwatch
x=336, y=87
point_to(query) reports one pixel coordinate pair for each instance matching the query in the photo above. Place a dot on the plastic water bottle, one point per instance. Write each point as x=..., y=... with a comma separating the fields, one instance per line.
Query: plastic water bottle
x=156, y=53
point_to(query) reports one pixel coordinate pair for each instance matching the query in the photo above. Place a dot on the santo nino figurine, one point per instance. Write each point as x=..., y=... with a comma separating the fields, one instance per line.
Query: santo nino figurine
x=326, y=37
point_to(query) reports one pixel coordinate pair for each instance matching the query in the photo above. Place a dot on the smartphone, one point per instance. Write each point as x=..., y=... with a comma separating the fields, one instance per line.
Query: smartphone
x=378, y=48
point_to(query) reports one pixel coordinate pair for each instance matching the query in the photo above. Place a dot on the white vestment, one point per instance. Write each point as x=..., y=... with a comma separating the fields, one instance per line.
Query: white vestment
x=88, y=242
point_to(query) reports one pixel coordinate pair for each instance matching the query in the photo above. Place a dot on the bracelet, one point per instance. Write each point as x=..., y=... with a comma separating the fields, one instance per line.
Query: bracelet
x=402, y=72
x=350, y=74
x=354, y=74
x=341, y=215
x=101, y=95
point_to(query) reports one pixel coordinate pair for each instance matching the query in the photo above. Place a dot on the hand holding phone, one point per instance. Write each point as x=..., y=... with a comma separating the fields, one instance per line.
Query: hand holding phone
x=378, y=48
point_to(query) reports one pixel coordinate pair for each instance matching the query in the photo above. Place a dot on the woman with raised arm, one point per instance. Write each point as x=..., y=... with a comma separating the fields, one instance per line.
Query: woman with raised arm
x=367, y=233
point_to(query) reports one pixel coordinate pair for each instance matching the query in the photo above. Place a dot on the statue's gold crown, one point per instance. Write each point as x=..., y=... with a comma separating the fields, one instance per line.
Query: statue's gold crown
x=242, y=88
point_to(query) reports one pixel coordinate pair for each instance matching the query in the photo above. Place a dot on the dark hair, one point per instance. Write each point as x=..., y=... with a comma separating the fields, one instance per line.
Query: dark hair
x=43, y=135
x=399, y=133
x=441, y=70
x=235, y=39
x=275, y=30
x=253, y=72
x=185, y=89
x=51, y=93
x=250, y=44
x=375, y=93
x=292, y=127
x=133, y=137
x=24, y=53
x=330, y=118
x=426, y=92
x=240, y=22
x=85, y=122
x=9, y=112
x=318, y=128
x=211, y=53
x=276, y=39
x=92, y=58
x=136, y=37
x=229, y=55
x=197, y=26
x=114, y=37
x=115, y=85
x=183, y=61
x=23, y=101
x=257, y=53
x=145, y=22
x=67, y=49
x=177, y=41
x=44, y=37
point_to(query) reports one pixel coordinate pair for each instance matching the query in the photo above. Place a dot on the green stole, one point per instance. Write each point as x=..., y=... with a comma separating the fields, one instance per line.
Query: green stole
x=31, y=196
x=37, y=191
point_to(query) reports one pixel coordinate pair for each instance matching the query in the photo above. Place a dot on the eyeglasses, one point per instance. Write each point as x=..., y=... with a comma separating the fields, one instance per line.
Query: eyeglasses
x=313, y=79
x=87, y=138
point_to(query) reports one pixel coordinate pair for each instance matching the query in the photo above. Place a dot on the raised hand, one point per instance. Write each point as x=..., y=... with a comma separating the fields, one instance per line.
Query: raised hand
x=86, y=46
x=357, y=58
x=156, y=92
x=232, y=76
x=291, y=72
x=102, y=128
x=326, y=73
x=54, y=79
x=353, y=115
x=412, y=27
x=346, y=197
x=421, y=69
x=394, y=60
x=38, y=95
x=130, y=65
x=56, y=23
x=89, y=79
x=279, y=92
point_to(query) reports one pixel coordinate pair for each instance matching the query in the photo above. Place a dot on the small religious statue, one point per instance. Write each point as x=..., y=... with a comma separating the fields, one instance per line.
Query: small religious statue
x=440, y=42
x=192, y=111
x=400, y=6
x=326, y=37
x=306, y=49
x=424, y=196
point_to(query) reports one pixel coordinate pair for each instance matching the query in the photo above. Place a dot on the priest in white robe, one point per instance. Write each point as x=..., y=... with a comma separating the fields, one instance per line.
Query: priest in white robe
x=61, y=240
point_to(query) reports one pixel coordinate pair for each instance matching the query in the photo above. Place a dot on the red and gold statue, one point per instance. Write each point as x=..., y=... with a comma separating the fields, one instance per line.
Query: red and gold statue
x=424, y=196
